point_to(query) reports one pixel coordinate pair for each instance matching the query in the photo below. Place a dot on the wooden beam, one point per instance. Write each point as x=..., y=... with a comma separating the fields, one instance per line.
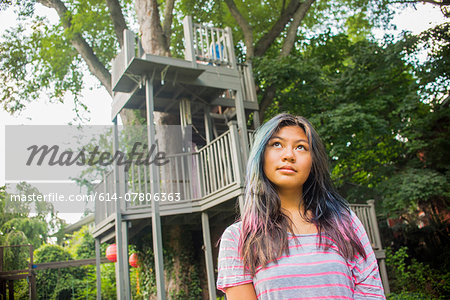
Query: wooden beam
x=154, y=181
x=97, y=269
x=122, y=284
x=14, y=277
x=229, y=102
x=14, y=272
x=208, y=256
x=68, y=264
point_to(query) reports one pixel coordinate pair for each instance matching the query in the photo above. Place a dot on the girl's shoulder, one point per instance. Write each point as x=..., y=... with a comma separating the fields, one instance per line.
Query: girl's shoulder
x=357, y=225
x=233, y=231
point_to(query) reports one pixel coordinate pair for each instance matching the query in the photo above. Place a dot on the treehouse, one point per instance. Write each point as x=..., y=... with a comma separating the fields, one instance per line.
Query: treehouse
x=215, y=96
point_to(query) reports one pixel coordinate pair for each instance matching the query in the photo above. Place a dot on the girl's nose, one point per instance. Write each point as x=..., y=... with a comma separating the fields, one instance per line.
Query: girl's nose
x=288, y=154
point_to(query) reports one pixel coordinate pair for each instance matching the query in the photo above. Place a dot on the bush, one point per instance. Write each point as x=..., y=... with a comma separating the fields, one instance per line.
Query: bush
x=411, y=279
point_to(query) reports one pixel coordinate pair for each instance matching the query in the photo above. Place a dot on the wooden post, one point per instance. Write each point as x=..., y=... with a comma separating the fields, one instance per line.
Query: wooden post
x=2, y=282
x=242, y=124
x=382, y=264
x=208, y=125
x=32, y=278
x=230, y=46
x=238, y=165
x=122, y=285
x=33, y=295
x=185, y=120
x=154, y=183
x=124, y=231
x=251, y=82
x=254, y=98
x=97, y=269
x=128, y=46
x=11, y=289
x=256, y=121
x=208, y=256
x=235, y=147
x=3, y=289
x=189, y=51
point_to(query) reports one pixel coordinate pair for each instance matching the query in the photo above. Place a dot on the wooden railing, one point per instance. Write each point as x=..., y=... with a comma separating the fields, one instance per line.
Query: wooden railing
x=186, y=177
x=124, y=57
x=216, y=164
x=25, y=270
x=207, y=44
x=178, y=181
x=247, y=82
x=211, y=44
x=366, y=214
x=104, y=205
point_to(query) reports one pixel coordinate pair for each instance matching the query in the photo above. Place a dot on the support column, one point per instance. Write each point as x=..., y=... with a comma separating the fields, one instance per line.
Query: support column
x=208, y=256
x=154, y=186
x=33, y=289
x=11, y=289
x=122, y=274
x=382, y=264
x=238, y=164
x=240, y=199
x=256, y=122
x=2, y=282
x=32, y=277
x=124, y=230
x=208, y=124
x=97, y=269
x=189, y=51
x=242, y=124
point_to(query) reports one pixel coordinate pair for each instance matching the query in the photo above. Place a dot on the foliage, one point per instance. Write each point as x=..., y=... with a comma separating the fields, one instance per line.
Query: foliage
x=57, y=283
x=385, y=141
x=18, y=228
x=18, y=219
x=184, y=272
x=351, y=92
x=57, y=67
x=74, y=282
x=82, y=244
x=413, y=279
x=37, y=56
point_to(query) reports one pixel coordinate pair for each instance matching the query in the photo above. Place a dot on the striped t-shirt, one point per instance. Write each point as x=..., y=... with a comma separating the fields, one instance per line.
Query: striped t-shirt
x=308, y=272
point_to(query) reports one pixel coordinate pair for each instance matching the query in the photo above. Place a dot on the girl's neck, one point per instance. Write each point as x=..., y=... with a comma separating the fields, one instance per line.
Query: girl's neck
x=291, y=200
x=292, y=205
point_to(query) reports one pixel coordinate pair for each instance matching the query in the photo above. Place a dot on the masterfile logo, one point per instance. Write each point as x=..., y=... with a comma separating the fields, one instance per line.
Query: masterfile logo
x=72, y=167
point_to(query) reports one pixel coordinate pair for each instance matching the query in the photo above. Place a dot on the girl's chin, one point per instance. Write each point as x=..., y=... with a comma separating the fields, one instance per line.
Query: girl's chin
x=288, y=186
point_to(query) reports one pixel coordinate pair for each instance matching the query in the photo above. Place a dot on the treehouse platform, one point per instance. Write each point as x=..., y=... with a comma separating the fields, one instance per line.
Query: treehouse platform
x=214, y=101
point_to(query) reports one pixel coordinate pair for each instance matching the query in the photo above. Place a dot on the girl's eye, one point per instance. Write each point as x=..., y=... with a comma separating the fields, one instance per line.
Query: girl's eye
x=276, y=144
x=301, y=147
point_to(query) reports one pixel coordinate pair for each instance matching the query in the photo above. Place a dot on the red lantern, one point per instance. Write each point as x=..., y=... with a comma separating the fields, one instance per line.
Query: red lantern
x=133, y=260
x=111, y=253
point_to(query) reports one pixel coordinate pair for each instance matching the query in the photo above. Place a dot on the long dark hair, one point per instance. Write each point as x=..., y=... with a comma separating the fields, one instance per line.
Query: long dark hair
x=265, y=228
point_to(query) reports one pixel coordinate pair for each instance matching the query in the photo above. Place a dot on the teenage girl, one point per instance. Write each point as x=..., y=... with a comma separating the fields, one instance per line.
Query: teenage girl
x=297, y=237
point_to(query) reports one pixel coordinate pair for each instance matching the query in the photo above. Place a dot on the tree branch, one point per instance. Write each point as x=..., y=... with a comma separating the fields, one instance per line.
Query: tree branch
x=267, y=99
x=167, y=23
x=115, y=12
x=245, y=26
x=292, y=31
x=439, y=3
x=264, y=43
x=80, y=44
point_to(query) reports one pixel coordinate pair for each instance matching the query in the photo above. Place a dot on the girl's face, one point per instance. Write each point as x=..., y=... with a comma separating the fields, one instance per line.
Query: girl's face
x=287, y=158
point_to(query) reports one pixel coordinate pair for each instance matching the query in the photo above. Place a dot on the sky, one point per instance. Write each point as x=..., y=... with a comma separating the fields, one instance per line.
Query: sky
x=98, y=100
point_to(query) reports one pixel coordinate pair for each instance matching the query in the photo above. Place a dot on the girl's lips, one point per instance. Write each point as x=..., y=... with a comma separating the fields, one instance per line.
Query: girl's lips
x=286, y=170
